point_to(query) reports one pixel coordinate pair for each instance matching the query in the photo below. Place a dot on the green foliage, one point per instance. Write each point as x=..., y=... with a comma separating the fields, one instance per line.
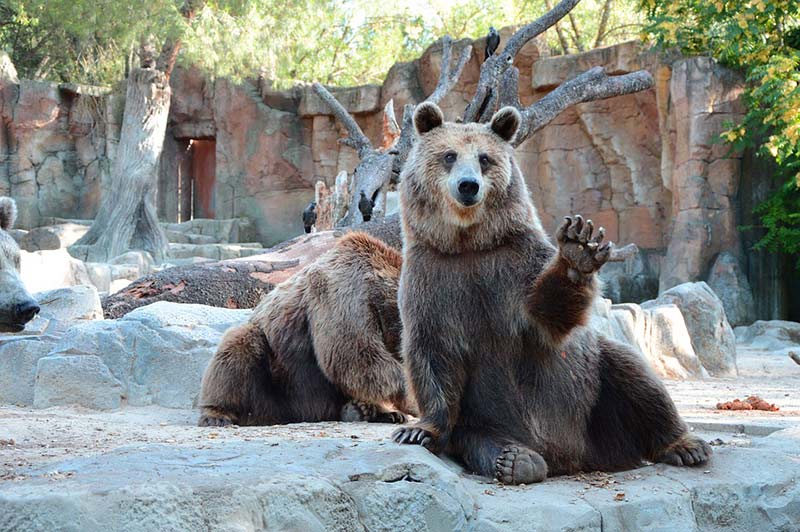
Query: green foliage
x=339, y=42
x=761, y=38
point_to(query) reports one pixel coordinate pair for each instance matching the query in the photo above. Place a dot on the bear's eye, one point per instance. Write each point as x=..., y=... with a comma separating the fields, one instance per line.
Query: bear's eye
x=484, y=160
x=450, y=157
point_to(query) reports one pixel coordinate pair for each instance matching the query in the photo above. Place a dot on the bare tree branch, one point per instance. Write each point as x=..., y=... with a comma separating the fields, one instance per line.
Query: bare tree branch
x=449, y=74
x=356, y=138
x=562, y=39
x=448, y=77
x=494, y=68
x=594, y=84
x=576, y=34
x=601, y=29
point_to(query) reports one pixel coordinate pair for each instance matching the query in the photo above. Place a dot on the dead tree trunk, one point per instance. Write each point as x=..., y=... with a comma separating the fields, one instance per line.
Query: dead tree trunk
x=239, y=283
x=127, y=217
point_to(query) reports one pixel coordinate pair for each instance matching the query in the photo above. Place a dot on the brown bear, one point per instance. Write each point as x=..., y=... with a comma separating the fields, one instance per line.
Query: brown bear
x=506, y=375
x=321, y=346
x=17, y=307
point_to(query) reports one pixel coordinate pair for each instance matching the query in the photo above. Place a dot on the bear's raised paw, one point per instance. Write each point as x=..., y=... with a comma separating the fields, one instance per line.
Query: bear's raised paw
x=584, y=252
x=520, y=465
x=688, y=451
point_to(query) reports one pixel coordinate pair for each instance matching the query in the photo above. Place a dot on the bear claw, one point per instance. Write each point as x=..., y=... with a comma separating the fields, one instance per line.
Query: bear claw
x=519, y=465
x=690, y=451
x=414, y=435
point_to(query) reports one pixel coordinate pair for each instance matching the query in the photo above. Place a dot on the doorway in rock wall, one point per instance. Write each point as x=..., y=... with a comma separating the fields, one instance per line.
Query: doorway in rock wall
x=197, y=180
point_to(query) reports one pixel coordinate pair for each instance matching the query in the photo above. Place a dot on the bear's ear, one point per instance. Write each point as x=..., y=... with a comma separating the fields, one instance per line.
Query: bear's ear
x=505, y=123
x=427, y=116
x=8, y=213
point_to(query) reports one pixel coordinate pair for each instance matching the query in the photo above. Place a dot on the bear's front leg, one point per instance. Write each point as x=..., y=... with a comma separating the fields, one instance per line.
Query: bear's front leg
x=562, y=295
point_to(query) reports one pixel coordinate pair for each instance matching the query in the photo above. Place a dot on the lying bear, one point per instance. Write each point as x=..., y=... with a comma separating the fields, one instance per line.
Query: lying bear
x=321, y=346
x=506, y=375
x=17, y=307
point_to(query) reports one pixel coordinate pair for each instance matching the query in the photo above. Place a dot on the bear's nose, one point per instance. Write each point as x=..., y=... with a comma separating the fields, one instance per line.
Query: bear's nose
x=26, y=311
x=468, y=187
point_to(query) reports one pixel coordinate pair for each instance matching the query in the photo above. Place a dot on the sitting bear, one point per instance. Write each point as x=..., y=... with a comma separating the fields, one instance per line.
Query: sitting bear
x=321, y=346
x=506, y=375
x=17, y=307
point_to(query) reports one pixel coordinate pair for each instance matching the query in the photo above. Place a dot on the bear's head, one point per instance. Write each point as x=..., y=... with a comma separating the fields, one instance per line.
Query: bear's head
x=461, y=189
x=17, y=307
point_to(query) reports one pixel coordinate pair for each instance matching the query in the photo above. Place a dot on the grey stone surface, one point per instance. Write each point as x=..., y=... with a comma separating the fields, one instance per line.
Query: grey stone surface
x=75, y=380
x=729, y=282
x=52, y=237
x=18, y=359
x=658, y=333
x=316, y=477
x=775, y=336
x=711, y=335
x=69, y=304
x=158, y=352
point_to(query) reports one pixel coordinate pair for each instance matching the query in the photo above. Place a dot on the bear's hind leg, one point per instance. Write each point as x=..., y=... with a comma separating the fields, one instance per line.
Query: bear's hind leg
x=236, y=379
x=510, y=463
x=634, y=418
x=361, y=411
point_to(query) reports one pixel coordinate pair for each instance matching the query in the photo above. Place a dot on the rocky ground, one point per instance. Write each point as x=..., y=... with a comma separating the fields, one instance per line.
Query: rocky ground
x=150, y=468
x=97, y=432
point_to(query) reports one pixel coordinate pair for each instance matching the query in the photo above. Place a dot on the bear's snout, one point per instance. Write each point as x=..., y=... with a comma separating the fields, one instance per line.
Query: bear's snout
x=25, y=312
x=467, y=191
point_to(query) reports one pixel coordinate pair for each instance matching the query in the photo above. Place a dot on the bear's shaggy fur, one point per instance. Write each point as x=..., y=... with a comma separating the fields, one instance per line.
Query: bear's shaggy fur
x=506, y=376
x=322, y=346
x=17, y=307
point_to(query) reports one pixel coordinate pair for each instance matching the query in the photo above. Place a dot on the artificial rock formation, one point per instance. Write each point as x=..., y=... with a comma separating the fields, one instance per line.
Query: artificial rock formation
x=646, y=165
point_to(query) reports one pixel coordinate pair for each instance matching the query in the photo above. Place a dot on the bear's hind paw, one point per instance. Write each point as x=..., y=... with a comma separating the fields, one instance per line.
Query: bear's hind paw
x=688, y=451
x=211, y=417
x=355, y=411
x=519, y=465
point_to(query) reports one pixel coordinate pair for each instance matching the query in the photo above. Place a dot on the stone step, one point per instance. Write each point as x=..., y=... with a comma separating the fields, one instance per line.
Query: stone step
x=224, y=231
x=214, y=251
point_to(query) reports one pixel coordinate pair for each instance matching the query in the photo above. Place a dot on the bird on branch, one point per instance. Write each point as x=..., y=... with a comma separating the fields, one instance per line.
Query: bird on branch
x=310, y=216
x=365, y=206
x=492, y=42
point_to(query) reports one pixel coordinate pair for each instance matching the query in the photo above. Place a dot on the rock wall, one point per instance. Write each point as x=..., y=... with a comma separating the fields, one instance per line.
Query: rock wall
x=646, y=166
x=54, y=146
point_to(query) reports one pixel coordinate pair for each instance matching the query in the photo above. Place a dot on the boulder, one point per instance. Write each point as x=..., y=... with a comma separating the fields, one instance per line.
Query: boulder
x=52, y=237
x=774, y=336
x=52, y=269
x=711, y=335
x=729, y=282
x=18, y=360
x=75, y=380
x=658, y=333
x=70, y=304
x=158, y=352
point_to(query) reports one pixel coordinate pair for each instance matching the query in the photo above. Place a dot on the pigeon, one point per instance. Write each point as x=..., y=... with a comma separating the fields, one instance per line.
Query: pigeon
x=310, y=216
x=492, y=42
x=365, y=206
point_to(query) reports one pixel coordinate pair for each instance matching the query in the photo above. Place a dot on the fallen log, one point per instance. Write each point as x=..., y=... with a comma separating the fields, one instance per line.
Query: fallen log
x=239, y=283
